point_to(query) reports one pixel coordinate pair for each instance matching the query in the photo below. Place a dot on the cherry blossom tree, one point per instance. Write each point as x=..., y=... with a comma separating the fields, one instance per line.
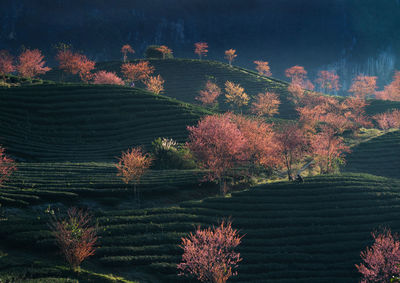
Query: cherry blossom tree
x=263, y=68
x=7, y=166
x=140, y=71
x=328, y=81
x=381, y=261
x=125, y=50
x=209, y=254
x=293, y=146
x=388, y=120
x=31, y=63
x=391, y=91
x=217, y=143
x=76, y=63
x=208, y=96
x=266, y=104
x=363, y=86
x=76, y=236
x=104, y=77
x=230, y=55
x=164, y=50
x=155, y=84
x=296, y=73
x=328, y=150
x=201, y=49
x=6, y=63
x=235, y=94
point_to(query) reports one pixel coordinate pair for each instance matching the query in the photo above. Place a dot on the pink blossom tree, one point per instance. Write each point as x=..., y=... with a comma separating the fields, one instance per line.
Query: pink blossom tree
x=218, y=145
x=104, y=77
x=7, y=166
x=381, y=261
x=209, y=254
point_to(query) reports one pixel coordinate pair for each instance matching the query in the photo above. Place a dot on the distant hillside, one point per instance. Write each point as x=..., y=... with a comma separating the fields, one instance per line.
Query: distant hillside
x=378, y=156
x=311, y=232
x=184, y=78
x=87, y=122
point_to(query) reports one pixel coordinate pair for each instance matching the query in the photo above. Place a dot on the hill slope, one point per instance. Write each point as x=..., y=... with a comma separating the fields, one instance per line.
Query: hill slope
x=184, y=78
x=311, y=232
x=378, y=156
x=87, y=122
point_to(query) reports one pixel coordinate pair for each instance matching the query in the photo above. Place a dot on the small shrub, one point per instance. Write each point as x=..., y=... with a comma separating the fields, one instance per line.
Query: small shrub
x=168, y=154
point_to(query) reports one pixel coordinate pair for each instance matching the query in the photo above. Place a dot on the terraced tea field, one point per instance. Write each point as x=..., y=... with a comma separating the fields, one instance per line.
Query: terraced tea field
x=84, y=123
x=378, y=156
x=309, y=232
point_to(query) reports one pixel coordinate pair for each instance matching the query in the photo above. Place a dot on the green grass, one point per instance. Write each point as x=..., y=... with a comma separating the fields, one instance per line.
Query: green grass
x=378, y=156
x=38, y=183
x=84, y=123
x=311, y=232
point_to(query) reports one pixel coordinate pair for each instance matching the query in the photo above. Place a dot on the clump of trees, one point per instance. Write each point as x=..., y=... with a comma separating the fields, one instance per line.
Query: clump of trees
x=209, y=254
x=76, y=236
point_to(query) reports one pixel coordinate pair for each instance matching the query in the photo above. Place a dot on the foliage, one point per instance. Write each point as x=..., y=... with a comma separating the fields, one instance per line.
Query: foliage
x=328, y=150
x=133, y=164
x=76, y=63
x=137, y=72
x=168, y=154
x=293, y=146
x=210, y=255
x=104, y=77
x=75, y=236
x=298, y=75
x=266, y=104
x=235, y=94
x=208, y=96
x=381, y=261
x=154, y=51
x=263, y=68
x=31, y=63
x=230, y=55
x=391, y=91
x=328, y=80
x=7, y=166
x=125, y=50
x=6, y=63
x=155, y=84
x=201, y=49
x=217, y=143
x=388, y=120
x=363, y=86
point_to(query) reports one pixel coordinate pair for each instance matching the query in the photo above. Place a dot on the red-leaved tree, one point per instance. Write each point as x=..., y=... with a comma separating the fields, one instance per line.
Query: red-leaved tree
x=137, y=72
x=391, y=91
x=328, y=80
x=209, y=254
x=388, y=120
x=164, y=50
x=266, y=104
x=296, y=73
x=218, y=145
x=125, y=50
x=293, y=146
x=7, y=166
x=208, y=96
x=201, y=49
x=363, y=86
x=6, y=63
x=155, y=84
x=76, y=63
x=31, y=63
x=230, y=55
x=76, y=236
x=328, y=150
x=380, y=261
x=263, y=68
x=109, y=78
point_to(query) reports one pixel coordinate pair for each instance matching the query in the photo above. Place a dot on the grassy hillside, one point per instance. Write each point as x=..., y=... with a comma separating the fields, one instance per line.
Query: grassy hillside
x=379, y=156
x=87, y=122
x=311, y=232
